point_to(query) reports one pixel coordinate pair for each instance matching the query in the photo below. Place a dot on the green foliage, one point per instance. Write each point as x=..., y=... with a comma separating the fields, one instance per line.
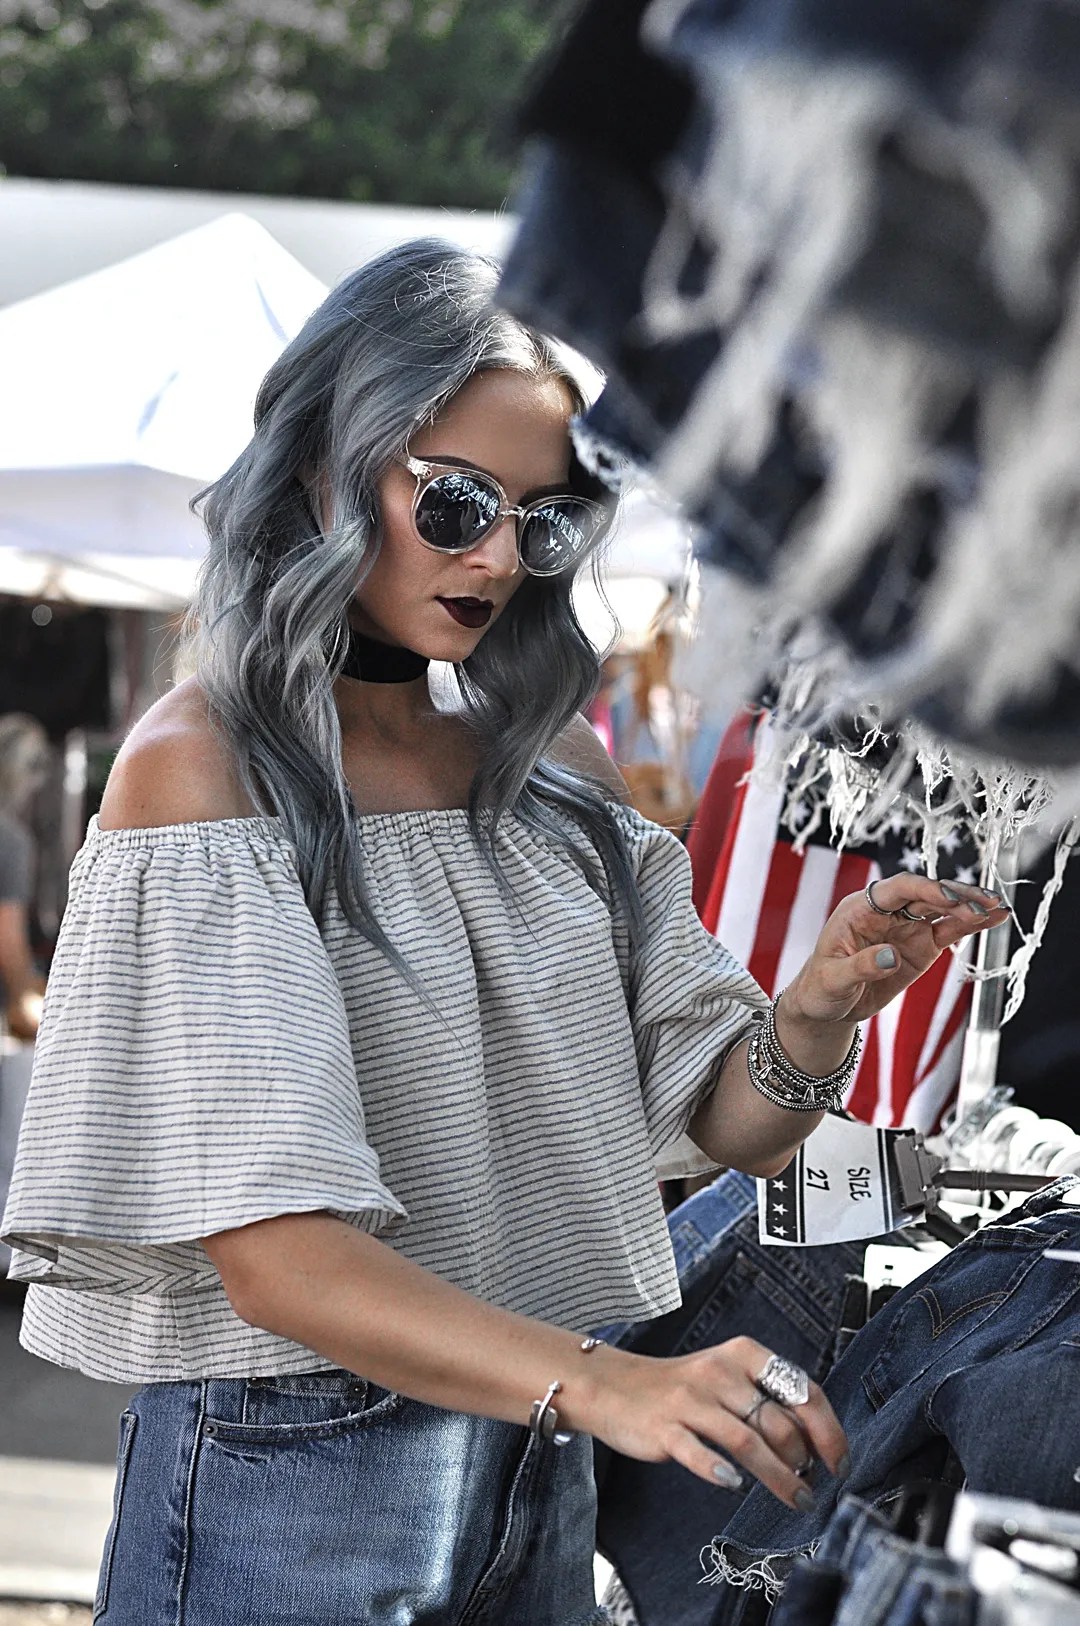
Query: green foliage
x=397, y=101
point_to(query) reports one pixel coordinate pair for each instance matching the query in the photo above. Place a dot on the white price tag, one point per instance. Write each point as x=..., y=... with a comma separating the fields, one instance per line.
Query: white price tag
x=839, y=1187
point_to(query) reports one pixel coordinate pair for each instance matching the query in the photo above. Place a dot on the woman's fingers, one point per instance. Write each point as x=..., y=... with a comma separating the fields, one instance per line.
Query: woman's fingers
x=694, y=1446
x=706, y=1410
x=773, y=1441
x=820, y=1427
x=780, y=1430
x=952, y=928
x=928, y=899
x=797, y=1433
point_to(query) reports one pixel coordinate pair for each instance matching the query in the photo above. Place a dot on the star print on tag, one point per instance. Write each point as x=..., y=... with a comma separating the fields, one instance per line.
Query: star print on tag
x=839, y=1187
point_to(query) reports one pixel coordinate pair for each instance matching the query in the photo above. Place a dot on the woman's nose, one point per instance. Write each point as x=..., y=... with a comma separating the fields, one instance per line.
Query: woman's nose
x=497, y=553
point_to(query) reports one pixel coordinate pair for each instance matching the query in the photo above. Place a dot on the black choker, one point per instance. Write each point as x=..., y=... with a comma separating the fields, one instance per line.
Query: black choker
x=373, y=662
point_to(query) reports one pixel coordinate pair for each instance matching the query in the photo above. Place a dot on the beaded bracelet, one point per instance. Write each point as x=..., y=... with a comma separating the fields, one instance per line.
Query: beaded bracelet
x=775, y=1076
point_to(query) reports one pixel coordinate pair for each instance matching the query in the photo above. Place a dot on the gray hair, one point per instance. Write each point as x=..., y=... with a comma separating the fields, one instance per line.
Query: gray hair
x=382, y=356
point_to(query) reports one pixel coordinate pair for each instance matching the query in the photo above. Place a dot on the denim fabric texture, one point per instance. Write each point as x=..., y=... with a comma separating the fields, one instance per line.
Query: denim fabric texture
x=814, y=1587
x=655, y=1518
x=732, y=223
x=863, y=1574
x=321, y=1500
x=573, y=198
x=982, y=1353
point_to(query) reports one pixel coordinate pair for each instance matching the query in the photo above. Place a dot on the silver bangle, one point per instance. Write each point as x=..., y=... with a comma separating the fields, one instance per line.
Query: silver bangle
x=775, y=1076
x=543, y=1418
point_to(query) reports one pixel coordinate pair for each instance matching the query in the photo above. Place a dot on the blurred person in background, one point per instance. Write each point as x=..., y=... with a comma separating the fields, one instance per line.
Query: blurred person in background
x=23, y=761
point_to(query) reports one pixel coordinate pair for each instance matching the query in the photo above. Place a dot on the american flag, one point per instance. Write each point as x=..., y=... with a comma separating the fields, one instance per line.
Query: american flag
x=767, y=902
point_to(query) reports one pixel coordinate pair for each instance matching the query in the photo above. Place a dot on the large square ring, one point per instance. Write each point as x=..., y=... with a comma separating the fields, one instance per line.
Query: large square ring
x=784, y=1382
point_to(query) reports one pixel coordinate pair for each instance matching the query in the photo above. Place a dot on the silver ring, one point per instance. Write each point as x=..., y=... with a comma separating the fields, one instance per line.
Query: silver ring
x=754, y=1407
x=876, y=907
x=907, y=915
x=783, y=1382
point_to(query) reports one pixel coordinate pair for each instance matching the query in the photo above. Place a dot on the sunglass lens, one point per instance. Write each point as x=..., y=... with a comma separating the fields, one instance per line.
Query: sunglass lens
x=455, y=511
x=555, y=536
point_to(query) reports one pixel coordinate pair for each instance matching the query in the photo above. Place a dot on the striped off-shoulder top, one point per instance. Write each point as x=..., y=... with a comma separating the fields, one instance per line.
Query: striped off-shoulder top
x=209, y=1057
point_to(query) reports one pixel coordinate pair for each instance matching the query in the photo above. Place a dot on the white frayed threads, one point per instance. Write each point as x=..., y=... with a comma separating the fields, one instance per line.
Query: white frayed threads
x=1017, y=969
x=758, y=1576
x=990, y=806
x=613, y=468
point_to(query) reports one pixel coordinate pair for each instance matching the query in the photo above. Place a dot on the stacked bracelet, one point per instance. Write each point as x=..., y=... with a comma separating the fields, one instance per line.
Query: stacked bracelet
x=775, y=1076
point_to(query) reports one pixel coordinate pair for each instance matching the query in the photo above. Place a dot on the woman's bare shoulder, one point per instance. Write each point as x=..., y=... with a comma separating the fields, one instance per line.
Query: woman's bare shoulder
x=173, y=768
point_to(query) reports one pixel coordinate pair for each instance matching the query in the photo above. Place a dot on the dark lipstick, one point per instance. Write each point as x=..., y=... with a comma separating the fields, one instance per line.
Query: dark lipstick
x=468, y=612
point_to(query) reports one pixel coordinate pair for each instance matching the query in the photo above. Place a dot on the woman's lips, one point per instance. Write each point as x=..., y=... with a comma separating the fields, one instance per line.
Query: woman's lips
x=468, y=612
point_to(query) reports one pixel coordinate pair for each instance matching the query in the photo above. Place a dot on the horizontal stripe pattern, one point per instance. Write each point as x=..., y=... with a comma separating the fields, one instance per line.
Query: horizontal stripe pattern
x=208, y=1058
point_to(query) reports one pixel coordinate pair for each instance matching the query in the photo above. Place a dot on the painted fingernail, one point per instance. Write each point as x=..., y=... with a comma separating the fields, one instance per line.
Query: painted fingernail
x=843, y=1467
x=948, y=893
x=727, y=1476
x=804, y=1500
x=977, y=908
x=886, y=958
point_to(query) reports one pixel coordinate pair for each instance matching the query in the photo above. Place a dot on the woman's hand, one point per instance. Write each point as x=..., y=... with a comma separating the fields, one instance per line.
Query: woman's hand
x=851, y=973
x=692, y=1409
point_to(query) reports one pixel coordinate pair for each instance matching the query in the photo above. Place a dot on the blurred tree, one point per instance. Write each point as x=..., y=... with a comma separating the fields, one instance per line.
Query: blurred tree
x=402, y=101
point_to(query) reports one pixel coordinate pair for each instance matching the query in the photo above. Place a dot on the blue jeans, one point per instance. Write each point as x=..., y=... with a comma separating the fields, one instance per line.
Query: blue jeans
x=863, y=1574
x=655, y=1519
x=321, y=1500
x=981, y=1352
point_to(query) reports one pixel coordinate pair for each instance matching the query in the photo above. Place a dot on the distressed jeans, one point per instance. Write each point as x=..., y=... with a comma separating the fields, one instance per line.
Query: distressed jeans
x=982, y=1354
x=657, y=1521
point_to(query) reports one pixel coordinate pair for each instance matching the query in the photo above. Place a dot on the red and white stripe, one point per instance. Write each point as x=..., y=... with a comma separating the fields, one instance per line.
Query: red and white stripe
x=767, y=903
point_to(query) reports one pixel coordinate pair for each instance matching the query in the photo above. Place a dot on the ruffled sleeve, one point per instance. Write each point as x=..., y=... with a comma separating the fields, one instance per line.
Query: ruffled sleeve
x=193, y=1072
x=690, y=999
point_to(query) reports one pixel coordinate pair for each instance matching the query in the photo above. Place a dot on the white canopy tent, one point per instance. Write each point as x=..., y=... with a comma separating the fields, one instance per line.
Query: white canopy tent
x=123, y=392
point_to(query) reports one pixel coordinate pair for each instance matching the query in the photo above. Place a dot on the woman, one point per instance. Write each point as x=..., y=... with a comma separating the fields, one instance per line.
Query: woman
x=371, y=1012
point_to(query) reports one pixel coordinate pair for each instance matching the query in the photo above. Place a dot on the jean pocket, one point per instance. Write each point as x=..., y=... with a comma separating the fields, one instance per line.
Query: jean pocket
x=307, y=1406
x=128, y=1424
x=751, y=1299
x=956, y=1303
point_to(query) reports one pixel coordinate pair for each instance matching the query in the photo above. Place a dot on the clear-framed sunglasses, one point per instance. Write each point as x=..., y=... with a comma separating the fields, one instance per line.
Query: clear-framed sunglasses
x=454, y=508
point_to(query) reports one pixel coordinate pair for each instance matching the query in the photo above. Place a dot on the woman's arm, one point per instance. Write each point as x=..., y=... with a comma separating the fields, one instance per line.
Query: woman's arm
x=22, y=987
x=316, y=1280
x=862, y=960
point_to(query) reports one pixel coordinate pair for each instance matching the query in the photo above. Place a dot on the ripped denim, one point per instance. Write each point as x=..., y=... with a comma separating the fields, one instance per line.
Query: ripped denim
x=981, y=1354
x=655, y=1521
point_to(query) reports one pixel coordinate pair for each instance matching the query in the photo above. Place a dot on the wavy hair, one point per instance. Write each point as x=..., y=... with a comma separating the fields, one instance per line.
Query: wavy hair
x=268, y=628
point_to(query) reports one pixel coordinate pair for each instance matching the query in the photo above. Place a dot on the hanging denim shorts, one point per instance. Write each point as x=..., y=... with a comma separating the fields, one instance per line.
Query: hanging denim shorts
x=323, y=1500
